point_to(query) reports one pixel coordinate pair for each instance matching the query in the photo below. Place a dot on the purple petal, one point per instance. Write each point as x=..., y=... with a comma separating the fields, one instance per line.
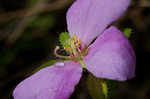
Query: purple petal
x=111, y=56
x=55, y=82
x=88, y=18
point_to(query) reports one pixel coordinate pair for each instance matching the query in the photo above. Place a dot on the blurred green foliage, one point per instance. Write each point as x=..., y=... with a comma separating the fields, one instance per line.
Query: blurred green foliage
x=94, y=87
x=101, y=88
x=39, y=26
x=6, y=57
x=31, y=3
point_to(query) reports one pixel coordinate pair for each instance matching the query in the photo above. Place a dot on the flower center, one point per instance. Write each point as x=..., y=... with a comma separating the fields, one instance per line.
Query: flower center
x=76, y=52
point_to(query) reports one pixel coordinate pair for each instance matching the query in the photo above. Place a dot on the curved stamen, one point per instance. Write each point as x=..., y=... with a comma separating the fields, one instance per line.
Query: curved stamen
x=60, y=56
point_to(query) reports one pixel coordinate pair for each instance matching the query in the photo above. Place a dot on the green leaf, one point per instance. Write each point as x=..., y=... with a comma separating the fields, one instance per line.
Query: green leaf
x=47, y=64
x=95, y=88
x=100, y=88
x=127, y=32
x=104, y=89
x=64, y=39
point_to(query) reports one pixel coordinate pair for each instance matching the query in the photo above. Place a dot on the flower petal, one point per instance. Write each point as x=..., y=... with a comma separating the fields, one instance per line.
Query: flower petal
x=88, y=18
x=55, y=82
x=111, y=56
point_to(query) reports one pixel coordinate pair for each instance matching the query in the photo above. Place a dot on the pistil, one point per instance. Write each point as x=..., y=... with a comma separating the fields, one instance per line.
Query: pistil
x=58, y=55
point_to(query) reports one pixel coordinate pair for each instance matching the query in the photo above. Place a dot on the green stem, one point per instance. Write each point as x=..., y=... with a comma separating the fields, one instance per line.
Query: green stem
x=82, y=64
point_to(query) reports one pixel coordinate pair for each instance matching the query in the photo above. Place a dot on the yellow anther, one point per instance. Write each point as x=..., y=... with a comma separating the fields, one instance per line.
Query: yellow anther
x=76, y=41
x=74, y=38
x=77, y=44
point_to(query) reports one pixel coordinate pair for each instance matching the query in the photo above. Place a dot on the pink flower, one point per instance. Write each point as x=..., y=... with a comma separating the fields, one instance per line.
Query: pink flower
x=110, y=56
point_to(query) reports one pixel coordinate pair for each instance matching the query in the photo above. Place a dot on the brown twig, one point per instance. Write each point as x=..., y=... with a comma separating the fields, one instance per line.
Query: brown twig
x=21, y=26
x=26, y=14
x=59, y=4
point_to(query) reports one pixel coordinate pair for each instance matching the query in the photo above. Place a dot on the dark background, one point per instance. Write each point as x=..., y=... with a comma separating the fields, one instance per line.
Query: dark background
x=29, y=31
